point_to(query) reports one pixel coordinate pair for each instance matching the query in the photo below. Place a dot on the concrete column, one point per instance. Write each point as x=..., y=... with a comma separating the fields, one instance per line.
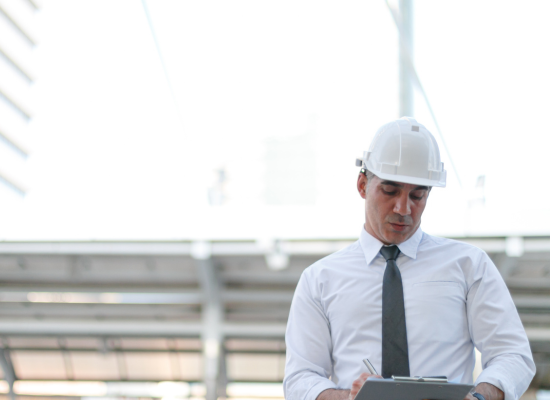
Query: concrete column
x=212, y=320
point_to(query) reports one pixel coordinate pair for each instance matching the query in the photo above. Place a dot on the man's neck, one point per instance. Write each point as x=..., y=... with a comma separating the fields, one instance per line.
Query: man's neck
x=370, y=231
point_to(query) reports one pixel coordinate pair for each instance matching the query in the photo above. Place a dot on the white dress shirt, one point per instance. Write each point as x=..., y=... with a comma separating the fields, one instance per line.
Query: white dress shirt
x=455, y=299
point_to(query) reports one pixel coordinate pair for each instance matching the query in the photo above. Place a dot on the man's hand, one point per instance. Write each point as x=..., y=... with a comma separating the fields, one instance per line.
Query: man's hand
x=490, y=392
x=358, y=384
x=338, y=394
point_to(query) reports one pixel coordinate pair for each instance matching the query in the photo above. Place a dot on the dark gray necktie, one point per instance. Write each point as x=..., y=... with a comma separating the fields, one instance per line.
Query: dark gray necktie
x=395, y=351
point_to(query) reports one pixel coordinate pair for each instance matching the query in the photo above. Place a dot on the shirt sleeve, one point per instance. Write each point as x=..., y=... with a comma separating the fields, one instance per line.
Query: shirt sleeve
x=497, y=332
x=308, y=346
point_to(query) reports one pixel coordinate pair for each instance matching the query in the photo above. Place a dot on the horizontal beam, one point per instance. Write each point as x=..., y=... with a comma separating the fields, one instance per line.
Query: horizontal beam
x=132, y=394
x=239, y=330
x=164, y=329
x=92, y=328
x=183, y=297
x=535, y=319
x=140, y=350
x=76, y=327
x=285, y=277
x=221, y=248
x=266, y=296
x=189, y=297
x=94, y=248
x=538, y=334
x=89, y=328
x=167, y=281
x=498, y=245
x=528, y=283
x=146, y=314
x=98, y=277
x=526, y=301
x=179, y=248
x=132, y=281
x=87, y=287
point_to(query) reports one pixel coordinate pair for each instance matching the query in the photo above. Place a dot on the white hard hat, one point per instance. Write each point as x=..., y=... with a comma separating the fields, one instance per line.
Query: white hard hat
x=405, y=151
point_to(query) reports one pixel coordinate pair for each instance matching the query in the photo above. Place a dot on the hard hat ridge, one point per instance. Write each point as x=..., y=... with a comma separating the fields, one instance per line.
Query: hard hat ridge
x=405, y=151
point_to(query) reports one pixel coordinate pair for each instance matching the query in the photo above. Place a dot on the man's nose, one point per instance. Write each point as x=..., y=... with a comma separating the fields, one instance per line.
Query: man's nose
x=402, y=205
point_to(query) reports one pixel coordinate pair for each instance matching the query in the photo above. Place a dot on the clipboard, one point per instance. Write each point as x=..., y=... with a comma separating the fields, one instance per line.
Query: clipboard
x=382, y=389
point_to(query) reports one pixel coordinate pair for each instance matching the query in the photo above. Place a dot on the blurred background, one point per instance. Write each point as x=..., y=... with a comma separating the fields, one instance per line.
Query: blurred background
x=168, y=169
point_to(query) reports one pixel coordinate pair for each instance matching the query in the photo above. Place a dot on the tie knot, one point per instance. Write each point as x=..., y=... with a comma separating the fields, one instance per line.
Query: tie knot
x=390, y=252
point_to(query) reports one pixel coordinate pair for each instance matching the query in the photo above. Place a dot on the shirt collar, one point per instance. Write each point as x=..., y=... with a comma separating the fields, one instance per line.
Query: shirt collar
x=371, y=246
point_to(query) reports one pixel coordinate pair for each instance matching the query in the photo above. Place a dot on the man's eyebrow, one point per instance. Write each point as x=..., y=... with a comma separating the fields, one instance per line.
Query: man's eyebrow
x=391, y=183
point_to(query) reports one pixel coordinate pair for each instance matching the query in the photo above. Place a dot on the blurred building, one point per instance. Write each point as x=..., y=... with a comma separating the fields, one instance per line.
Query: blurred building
x=17, y=43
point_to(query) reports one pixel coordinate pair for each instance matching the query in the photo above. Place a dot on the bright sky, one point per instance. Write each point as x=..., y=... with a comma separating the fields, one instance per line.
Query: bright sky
x=115, y=158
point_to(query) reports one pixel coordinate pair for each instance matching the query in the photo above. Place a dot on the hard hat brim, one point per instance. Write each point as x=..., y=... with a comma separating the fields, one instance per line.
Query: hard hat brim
x=411, y=179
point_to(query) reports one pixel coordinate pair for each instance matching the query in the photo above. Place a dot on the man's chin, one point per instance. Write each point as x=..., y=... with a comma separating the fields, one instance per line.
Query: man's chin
x=397, y=237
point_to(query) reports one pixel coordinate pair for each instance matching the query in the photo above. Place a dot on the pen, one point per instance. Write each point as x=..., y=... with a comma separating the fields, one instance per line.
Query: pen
x=370, y=366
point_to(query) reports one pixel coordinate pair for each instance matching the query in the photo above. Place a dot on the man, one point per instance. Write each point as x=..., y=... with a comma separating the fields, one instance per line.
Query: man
x=418, y=308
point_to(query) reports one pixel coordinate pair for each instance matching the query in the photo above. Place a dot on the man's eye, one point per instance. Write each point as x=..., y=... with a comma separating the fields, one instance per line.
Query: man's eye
x=389, y=192
x=416, y=197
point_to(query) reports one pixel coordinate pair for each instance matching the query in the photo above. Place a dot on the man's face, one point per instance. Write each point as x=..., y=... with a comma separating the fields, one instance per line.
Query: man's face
x=393, y=209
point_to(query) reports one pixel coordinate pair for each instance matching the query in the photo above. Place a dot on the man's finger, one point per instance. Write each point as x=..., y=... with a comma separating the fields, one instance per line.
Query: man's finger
x=358, y=384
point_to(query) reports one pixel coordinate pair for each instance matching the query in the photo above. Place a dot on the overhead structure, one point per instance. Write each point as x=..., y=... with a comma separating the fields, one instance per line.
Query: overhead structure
x=209, y=313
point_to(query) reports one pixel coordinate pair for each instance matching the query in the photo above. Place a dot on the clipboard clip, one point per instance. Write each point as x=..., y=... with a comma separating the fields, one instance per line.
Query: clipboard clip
x=437, y=379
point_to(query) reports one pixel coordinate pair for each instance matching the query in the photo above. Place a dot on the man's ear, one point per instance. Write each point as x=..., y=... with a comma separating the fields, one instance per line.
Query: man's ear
x=362, y=185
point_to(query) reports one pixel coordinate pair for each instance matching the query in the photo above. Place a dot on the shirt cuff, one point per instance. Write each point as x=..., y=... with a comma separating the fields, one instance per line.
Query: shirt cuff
x=319, y=387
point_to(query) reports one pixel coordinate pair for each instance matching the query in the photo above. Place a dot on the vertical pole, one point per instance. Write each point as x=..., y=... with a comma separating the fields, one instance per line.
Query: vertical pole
x=222, y=376
x=69, y=370
x=9, y=371
x=212, y=319
x=406, y=91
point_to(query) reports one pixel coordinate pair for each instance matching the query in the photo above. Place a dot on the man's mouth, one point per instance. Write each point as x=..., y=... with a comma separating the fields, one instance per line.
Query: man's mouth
x=398, y=227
